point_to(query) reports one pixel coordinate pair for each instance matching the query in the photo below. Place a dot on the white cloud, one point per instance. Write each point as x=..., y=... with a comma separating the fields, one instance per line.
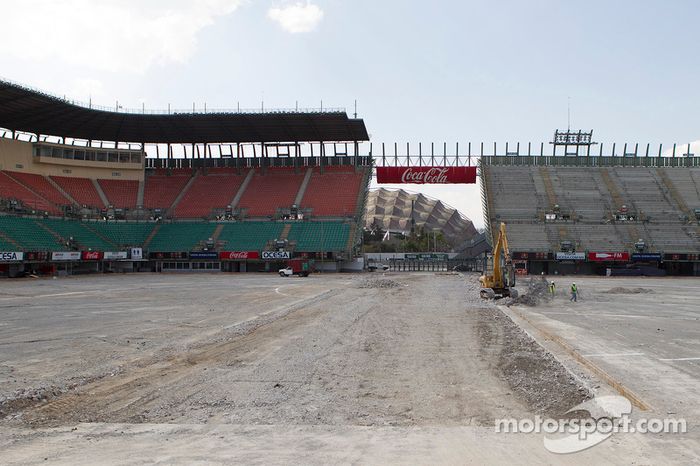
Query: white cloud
x=108, y=35
x=682, y=149
x=297, y=17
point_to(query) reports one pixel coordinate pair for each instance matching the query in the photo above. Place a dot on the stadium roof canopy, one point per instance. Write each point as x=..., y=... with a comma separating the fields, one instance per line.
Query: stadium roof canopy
x=28, y=110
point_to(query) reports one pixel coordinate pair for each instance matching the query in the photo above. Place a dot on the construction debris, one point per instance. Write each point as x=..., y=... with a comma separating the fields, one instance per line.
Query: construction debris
x=378, y=283
x=623, y=290
x=537, y=290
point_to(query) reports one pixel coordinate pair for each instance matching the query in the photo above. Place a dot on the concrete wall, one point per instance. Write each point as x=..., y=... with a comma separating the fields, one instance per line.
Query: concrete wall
x=18, y=156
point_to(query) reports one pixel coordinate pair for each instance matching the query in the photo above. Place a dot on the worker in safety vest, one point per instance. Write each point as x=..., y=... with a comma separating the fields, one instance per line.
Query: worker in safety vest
x=552, y=288
x=574, y=292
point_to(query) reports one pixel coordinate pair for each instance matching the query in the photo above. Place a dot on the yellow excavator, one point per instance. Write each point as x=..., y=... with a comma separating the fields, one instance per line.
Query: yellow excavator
x=500, y=283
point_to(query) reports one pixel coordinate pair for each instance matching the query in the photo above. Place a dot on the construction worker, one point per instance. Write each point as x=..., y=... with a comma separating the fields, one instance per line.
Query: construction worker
x=574, y=292
x=552, y=288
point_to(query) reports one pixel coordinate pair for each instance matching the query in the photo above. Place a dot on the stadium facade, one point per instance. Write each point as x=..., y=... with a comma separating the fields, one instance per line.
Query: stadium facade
x=79, y=194
x=400, y=211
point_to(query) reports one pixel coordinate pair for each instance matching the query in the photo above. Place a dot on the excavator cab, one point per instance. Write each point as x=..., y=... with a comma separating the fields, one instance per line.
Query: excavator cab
x=498, y=280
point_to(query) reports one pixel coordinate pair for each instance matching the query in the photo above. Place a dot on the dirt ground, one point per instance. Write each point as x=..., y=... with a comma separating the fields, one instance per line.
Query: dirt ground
x=118, y=365
x=409, y=354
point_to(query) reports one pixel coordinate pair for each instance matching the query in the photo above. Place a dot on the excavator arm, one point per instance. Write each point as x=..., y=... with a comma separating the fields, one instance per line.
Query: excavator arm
x=502, y=279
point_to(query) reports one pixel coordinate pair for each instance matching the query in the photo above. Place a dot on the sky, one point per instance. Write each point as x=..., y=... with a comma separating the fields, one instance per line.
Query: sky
x=441, y=71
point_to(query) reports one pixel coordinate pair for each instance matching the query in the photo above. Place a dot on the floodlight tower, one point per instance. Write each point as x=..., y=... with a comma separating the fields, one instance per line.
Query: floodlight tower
x=576, y=139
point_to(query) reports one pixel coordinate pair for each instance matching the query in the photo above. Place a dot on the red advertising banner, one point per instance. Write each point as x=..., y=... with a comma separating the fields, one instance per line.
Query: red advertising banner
x=608, y=256
x=426, y=175
x=238, y=255
x=91, y=255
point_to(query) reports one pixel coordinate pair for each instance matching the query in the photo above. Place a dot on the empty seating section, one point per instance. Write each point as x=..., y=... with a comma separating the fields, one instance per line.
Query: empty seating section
x=528, y=237
x=27, y=233
x=643, y=188
x=249, y=236
x=673, y=238
x=266, y=193
x=42, y=234
x=40, y=185
x=80, y=189
x=206, y=193
x=580, y=190
x=319, y=236
x=513, y=193
x=333, y=193
x=521, y=195
x=161, y=189
x=11, y=189
x=80, y=232
x=121, y=194
x=182, y=236
x=687, y=183
x=595, y=238
x=122, y=234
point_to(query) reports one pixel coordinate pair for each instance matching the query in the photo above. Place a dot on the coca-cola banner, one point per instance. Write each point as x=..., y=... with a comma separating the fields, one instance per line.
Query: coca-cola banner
x=426, y=175
x=92, y=255
x=238, y=255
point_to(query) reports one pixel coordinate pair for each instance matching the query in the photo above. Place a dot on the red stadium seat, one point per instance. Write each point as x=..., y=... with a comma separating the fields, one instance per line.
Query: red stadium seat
x=11, y=189
x=162, y=189
x=40, y=185
x=206, y=193
x=275, y=189
x=122, y=194
x=333, y=193
x=80, y=189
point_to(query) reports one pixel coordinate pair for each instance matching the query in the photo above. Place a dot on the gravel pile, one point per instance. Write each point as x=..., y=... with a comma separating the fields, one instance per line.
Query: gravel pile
x=622, y=290
x=537, y=291
x=533, y=374
x=378, y=283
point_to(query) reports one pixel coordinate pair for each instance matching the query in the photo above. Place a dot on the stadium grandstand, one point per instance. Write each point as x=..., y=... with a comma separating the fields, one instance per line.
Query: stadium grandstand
x=620, y=215
x=80, y=192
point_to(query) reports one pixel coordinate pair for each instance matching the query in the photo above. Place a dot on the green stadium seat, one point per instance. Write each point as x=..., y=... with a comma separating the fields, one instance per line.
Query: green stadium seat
x=181, y=236
x=249, y=236
x=80, y=232
x=122, y=234
x=319, y=236
x=28, y=233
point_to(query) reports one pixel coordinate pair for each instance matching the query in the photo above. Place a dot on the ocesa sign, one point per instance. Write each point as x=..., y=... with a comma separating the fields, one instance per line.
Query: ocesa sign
x=275, y=255
x=11, y=256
